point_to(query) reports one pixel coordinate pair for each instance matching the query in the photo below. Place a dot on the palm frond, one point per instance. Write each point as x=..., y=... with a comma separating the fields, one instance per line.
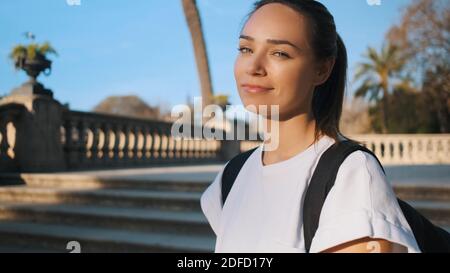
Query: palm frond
x=46, y=48
x=19, y=51
x=364, y=70
x=365, y=88
x=32, y=50
x=373, y=56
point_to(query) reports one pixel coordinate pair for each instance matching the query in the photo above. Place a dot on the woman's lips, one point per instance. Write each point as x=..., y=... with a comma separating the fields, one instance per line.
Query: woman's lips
x=255, y=88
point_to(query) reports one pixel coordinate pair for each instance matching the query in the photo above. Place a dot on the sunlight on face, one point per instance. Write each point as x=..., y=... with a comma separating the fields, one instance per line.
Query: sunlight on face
x=275, y=64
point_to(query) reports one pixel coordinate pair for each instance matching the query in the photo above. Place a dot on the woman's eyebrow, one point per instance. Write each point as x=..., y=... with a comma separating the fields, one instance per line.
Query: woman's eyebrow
x=271, y=41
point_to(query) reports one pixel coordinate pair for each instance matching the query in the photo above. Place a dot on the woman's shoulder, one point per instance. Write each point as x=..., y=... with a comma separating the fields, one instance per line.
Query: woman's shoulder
x=211, y=201
x=361, y=160
x=364, y=167
x=213, y=190
x=361, y=170
x=213, y=193
x=362, y=186
x=362, y=203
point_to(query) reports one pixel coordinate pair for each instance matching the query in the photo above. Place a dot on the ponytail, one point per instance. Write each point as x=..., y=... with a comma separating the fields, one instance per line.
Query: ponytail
x=328, y=98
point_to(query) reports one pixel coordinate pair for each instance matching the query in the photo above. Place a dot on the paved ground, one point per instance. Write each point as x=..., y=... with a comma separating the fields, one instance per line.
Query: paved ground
x=418, y=174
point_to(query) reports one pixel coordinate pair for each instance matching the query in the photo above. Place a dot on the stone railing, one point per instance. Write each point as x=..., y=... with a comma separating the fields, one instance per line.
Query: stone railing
x=408, y=149
x=53, y=138
x=92, y=140
x=399, y=149
x=44, y=136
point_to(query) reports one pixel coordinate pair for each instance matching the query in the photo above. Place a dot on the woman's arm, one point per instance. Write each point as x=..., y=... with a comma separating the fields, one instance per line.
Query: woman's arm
x=368, y=245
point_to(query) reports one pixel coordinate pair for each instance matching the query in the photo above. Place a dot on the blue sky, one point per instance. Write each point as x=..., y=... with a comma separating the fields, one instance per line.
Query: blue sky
x=143, y=47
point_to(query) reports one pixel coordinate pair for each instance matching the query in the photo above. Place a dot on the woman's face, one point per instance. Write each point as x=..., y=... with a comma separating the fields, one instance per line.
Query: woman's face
x=276, y=65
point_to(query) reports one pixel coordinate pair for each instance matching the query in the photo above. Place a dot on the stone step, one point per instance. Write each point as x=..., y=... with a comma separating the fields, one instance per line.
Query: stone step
x=27, y=248
x=437, y=212
x=142, y=218
x=181, y=201
x=423, y=192
x=120, y=218
x=406, y=191
x=56, y=237
x=66, y=181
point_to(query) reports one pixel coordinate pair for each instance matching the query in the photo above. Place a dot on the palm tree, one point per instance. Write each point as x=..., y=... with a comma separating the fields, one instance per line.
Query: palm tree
x=380, y=74
x=193, y=20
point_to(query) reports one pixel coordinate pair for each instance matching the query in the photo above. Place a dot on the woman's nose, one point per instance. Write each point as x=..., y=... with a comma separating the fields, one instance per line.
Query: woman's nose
x=255, y=67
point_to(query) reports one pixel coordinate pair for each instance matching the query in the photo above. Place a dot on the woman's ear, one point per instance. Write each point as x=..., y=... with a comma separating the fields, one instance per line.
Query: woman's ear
x=323, y=71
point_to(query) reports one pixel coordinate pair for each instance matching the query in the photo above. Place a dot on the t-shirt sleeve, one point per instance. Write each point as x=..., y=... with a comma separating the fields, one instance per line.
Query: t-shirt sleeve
x=211, y=202
x=361, y=204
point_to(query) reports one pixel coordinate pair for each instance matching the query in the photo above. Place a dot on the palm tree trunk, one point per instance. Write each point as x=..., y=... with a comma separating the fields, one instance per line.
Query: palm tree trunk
x=193, y=20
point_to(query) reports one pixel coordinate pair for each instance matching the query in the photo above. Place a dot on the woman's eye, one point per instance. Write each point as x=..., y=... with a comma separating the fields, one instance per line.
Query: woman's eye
x=244, y=49
x=281, y=54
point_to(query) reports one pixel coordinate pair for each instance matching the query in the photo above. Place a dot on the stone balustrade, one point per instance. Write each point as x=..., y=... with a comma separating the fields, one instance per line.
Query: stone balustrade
x=103, y=141
x=408, y=149
x=99, y=141
x=399, y=149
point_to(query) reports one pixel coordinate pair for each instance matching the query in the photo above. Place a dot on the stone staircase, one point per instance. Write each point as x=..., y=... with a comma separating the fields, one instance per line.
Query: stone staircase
x=106, y=215
x=126, y=213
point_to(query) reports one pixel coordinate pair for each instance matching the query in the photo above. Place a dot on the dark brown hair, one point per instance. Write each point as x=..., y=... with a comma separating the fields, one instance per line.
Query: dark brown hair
x=327, y=98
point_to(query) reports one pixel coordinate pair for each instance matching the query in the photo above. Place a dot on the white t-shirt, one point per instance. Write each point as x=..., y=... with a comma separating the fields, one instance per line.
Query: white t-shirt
x=263, y=211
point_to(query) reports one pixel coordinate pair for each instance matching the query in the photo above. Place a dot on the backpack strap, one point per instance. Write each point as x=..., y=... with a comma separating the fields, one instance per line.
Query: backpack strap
x=232, y=170
x=321, y=183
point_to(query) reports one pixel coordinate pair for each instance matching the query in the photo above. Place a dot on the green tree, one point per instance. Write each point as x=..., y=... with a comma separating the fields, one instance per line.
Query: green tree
x=422, y=36
x=380, y=74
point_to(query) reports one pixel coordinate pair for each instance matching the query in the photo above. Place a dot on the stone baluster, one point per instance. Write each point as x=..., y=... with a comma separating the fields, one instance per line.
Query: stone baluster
x=70, y=147
x=95, y=128
x=143, y=148
x=135, y=147
x=126, y=147
x=116, y=149
x=82, y=143
x=106, y=151
x=6, y=162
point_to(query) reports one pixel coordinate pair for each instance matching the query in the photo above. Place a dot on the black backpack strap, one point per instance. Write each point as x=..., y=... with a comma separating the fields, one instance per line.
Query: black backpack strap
x=321, y=183
x=232, y=170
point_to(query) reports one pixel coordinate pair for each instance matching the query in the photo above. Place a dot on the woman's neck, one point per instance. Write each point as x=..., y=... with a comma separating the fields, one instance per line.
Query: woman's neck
x=294, y=136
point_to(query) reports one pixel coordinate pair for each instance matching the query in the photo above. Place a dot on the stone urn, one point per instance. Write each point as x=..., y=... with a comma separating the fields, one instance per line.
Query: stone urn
x=33, y=67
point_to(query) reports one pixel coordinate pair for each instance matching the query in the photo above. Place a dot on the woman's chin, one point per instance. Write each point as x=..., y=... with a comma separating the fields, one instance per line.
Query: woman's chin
x=265, y=110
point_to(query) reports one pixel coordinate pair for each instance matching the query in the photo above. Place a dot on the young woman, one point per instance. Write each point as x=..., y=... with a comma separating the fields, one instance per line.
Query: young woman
x=291, y=55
